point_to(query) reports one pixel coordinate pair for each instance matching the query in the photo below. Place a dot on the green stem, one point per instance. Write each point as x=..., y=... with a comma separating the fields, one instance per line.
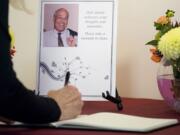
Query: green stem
x=176, y=72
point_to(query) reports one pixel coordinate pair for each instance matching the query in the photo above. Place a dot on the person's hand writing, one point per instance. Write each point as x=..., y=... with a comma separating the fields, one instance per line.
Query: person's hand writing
x=5, y=120
x=69, y=100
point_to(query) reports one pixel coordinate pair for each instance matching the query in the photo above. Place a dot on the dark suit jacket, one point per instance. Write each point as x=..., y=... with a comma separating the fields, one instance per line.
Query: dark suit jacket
x=16, y=101
x=72, y=32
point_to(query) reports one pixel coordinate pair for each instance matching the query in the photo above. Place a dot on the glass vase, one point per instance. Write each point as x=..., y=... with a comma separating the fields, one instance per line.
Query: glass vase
x=168, y=85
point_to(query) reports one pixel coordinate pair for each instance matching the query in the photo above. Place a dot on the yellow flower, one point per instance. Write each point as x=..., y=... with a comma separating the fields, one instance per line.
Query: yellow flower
x=169, y=44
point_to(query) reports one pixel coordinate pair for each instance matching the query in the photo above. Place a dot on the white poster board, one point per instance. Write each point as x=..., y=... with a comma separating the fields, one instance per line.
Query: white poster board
x=91, y=59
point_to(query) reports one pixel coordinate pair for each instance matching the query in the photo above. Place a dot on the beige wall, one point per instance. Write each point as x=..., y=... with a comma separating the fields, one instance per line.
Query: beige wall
x=136, y=73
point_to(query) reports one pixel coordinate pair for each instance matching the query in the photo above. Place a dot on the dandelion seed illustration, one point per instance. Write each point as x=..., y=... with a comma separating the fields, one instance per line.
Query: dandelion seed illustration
x=75, y=66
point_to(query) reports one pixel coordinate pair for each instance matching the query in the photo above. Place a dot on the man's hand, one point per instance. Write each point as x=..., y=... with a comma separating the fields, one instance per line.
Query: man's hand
x=69, y=101
x=72, y=41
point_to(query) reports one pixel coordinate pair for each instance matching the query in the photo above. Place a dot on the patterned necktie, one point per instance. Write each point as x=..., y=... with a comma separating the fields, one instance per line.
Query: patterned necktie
x=60, y=42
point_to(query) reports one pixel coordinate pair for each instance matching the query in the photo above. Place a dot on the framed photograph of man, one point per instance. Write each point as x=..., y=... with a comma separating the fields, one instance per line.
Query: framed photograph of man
x=78, y=37
x=60, y=25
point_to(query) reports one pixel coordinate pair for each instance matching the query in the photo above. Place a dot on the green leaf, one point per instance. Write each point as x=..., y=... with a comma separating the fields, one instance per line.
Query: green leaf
x=158, y=26
x=152, y=42
x=158, y=35
x=166, y=28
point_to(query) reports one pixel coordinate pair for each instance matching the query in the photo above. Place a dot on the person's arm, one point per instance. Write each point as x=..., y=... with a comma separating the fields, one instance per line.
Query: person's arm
x=16, y=101
x=20, y=104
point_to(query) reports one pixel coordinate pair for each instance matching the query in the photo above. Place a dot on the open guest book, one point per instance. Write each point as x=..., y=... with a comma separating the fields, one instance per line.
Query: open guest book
x=116, y=121
x=111, y=121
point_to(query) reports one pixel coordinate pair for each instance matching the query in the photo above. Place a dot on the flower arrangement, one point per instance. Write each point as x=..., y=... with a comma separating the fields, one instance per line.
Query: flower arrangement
x=166, y=43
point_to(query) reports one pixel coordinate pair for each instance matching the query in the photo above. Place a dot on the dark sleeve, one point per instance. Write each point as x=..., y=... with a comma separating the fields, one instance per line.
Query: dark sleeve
x=16, y=101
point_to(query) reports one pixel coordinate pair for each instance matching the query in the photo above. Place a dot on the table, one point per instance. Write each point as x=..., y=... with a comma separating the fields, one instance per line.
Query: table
x=132, y=106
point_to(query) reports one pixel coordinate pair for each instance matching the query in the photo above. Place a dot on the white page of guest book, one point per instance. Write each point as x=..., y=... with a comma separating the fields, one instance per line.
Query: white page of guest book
x=108, y=121
x=92, y=61
x=117, y=122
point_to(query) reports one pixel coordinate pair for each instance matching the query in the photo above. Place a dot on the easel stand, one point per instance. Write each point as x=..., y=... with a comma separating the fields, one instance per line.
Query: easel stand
x=116, y=100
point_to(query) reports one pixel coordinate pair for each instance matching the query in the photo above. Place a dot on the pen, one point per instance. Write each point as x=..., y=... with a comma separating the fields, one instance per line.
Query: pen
x=67, y=78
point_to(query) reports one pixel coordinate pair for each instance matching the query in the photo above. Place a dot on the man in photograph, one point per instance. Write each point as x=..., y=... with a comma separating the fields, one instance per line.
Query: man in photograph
x=60, y=36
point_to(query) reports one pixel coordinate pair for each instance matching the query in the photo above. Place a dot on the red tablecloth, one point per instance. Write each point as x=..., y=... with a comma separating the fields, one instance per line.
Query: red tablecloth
x=139, y=107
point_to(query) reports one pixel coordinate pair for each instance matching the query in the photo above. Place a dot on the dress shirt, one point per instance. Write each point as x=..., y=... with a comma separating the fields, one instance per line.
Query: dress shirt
x=50, y=38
